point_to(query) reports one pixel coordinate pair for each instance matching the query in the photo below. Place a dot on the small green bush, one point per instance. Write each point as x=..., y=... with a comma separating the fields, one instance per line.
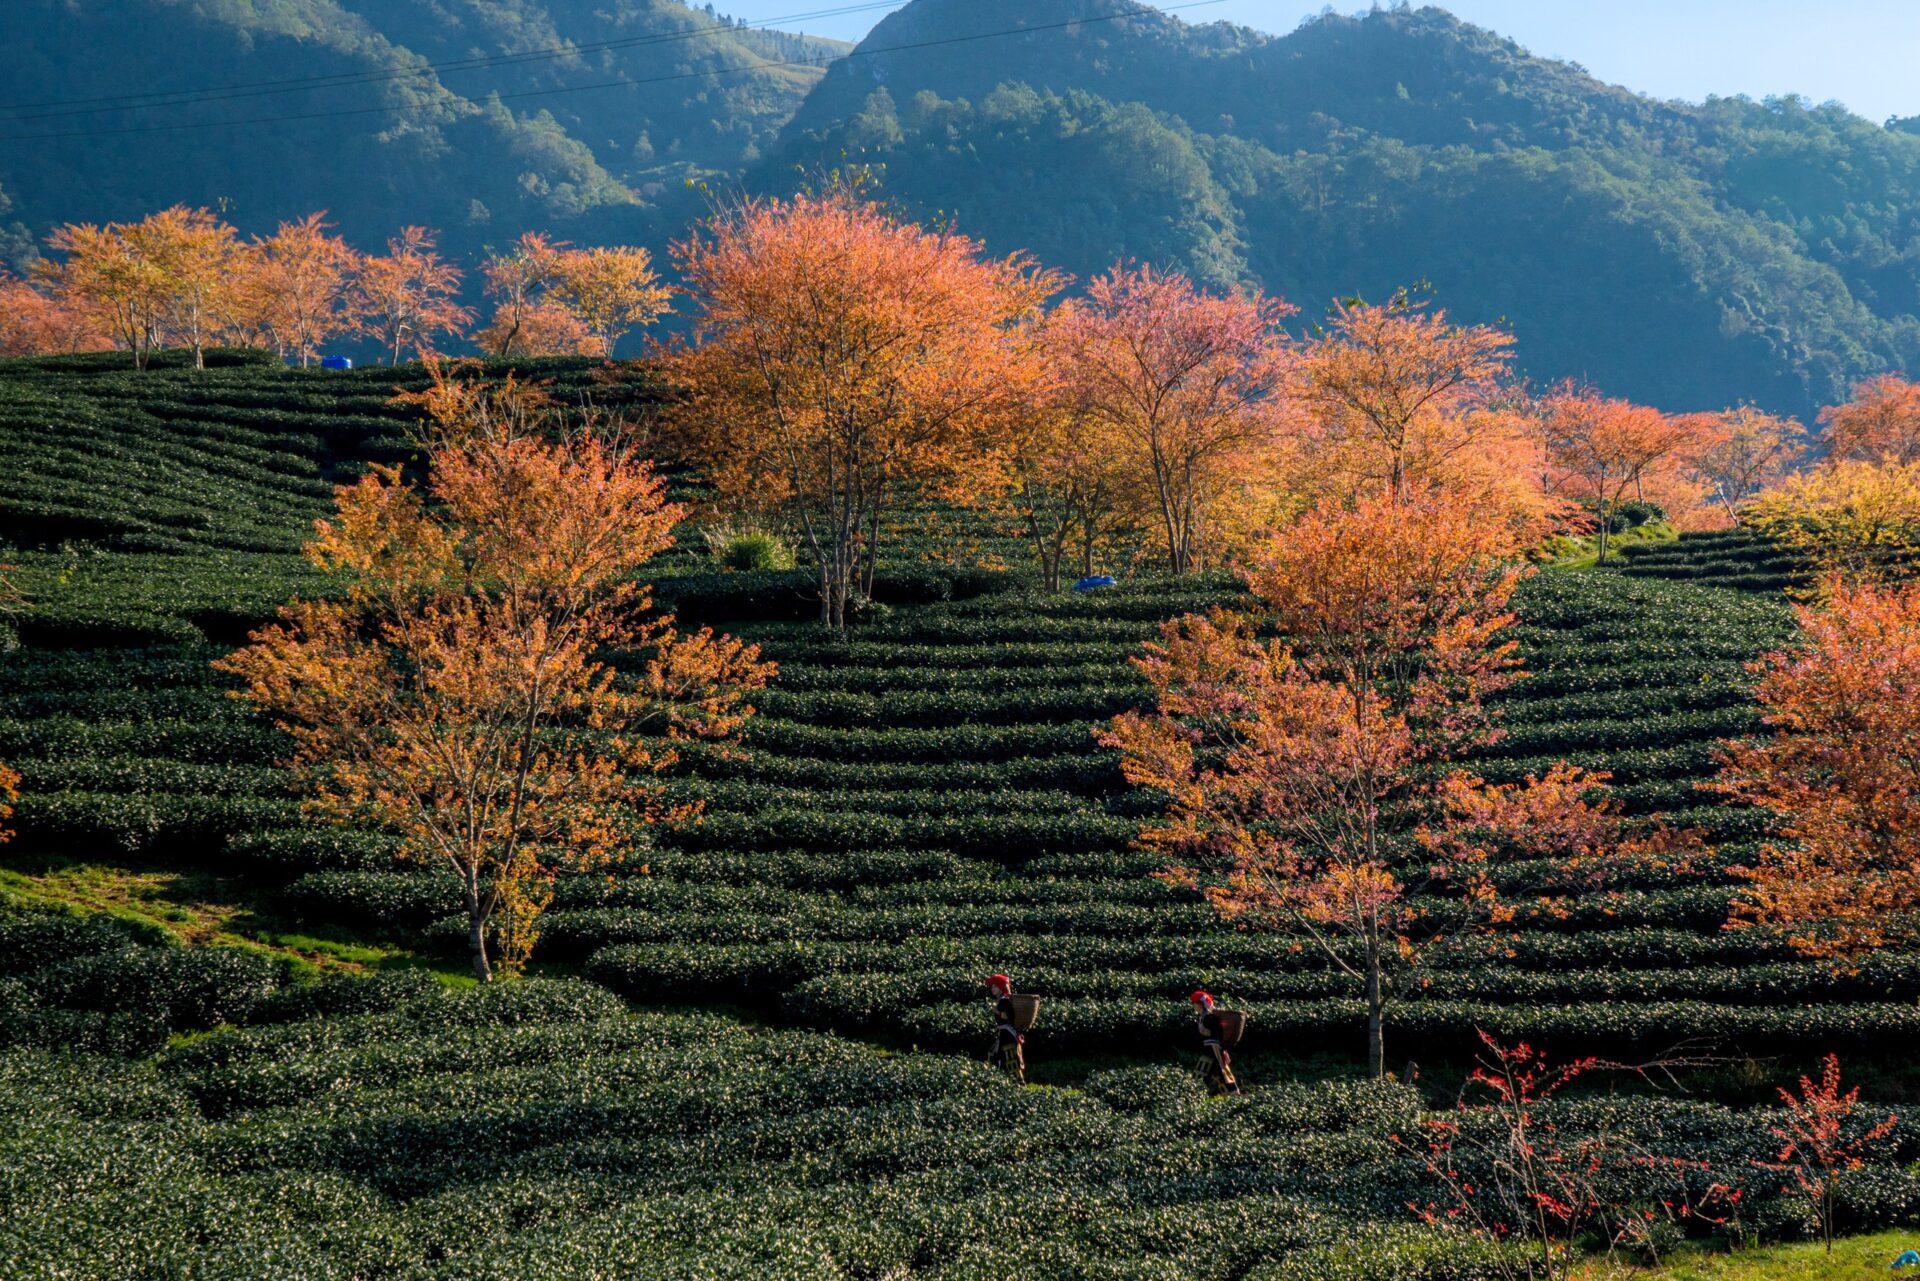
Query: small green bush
x=756, y=551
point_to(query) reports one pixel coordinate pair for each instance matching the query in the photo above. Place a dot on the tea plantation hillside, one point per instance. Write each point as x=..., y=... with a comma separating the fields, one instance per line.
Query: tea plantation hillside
x=386, y=1130
x=921, y=802
x=734, y=1059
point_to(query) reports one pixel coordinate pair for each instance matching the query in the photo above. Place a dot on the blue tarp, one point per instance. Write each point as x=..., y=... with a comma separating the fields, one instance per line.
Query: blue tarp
x=1094, y=583
x=336, y=362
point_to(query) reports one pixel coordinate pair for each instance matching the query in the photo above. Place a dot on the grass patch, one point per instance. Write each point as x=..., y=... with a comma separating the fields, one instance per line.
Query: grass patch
x=1583, y=553
x=1852, y=1258
x=199, y=909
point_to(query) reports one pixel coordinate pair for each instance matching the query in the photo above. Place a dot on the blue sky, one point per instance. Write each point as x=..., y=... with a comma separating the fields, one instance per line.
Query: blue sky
x=1862, y=52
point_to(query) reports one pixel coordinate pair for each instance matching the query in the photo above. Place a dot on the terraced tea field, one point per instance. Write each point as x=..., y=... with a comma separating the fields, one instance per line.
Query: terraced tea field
x=919, y=802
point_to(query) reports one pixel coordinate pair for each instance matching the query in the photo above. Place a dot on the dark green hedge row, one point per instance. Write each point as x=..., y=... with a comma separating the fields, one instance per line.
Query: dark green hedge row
x=940, y=708
x=1091, y=771
x=96, y=984
x=107, y=825
x=532, y=1130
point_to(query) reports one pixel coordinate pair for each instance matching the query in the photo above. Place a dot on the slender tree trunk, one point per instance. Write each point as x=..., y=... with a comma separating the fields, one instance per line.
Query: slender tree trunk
x=870, y=554
x=477, y=935
x=1376, y=1014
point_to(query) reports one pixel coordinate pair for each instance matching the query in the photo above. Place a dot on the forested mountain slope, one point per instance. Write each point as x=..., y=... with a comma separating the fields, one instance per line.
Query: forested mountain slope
x=1685, y=255
x=1691, y=256
x=479, y=117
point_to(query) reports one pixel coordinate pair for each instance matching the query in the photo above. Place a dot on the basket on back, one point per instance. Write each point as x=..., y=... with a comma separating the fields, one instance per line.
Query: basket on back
x=1026, y=1008
x=1232, y=1024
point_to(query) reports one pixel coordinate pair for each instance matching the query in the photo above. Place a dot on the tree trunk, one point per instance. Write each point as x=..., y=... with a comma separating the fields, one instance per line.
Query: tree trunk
x=1376, y=1016
x=1606, y=528
x=870, y=554
x=477, y=940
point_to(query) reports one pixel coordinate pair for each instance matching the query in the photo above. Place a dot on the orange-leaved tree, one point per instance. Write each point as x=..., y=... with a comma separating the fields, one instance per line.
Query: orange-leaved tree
x=34, y=322
x=1820, y=1141
x=527, y=319
x=1392, y=390
x=1188, y=388
x=1605, y=449
x=1740, y=452
x=1880, y=423
x=162, y=279
x=459, y=690
x=198, y=254
x=148, y=282
x=295, y=289
x=1309, y=772
x=1840, y=771
x=409, y=295
x=840, y=355
x=9, y=793
x=611, y=290
x=1067, y=482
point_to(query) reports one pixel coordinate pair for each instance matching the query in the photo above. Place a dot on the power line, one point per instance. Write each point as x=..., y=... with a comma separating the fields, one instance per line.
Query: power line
x=219, y=93
x=764, y=65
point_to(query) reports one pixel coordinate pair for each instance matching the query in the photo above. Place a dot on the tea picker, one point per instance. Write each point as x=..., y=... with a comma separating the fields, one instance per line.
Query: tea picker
x=1219, y=1032
x=1013, y=1016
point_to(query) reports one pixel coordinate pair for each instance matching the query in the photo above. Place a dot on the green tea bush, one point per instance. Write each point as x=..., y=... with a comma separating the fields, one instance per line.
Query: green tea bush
x=756, y=551
x=100, y=985
x=515, y=1130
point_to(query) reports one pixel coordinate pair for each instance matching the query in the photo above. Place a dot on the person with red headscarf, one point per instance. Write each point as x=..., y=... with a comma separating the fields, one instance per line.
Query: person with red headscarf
x=1009, y=1042
x=1217, y=1063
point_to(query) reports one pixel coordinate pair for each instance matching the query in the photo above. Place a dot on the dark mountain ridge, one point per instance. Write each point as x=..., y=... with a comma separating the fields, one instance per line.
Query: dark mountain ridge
x=1689, y=255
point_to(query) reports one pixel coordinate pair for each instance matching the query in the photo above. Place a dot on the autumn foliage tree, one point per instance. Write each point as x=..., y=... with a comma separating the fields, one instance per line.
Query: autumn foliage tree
x=1740, y=452
x=1068, y=483
x=1821, y=1141
x=517, y=280
x=1605, y=449
x=35, y=322
x=1187, y=388
x=9, y=793
x=296, y=290
x=409, y=295
x=551, y=299
x=459, y=691
x=612, y=290
x=1881, y=423
x=1396, y=394
x=1852, y=519
x=1840, y=773
x=161, y=279
x=839, y=355
x=1306, y=745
